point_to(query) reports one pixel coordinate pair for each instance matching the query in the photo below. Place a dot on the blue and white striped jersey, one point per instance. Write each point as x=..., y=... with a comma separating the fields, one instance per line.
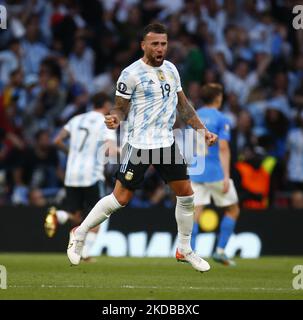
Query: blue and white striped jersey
x=153, y=99
x=85, y=163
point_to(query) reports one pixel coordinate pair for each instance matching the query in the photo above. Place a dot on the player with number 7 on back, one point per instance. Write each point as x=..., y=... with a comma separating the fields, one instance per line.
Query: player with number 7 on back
x=84, y=182
x=148, y=93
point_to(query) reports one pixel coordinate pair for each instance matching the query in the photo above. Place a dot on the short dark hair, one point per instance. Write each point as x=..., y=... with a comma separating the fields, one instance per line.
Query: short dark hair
x=99, y=99
x=210, y=91
x=154, y=27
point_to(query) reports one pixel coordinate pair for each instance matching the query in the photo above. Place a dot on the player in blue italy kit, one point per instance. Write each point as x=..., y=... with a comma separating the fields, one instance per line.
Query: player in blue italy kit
x=148, y=94
x=215, y=181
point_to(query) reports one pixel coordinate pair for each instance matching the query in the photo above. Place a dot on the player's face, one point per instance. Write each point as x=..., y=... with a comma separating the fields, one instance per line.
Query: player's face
x=155, y=47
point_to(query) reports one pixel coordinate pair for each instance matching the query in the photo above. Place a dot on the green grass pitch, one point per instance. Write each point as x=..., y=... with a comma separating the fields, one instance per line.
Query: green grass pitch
x=49, y=276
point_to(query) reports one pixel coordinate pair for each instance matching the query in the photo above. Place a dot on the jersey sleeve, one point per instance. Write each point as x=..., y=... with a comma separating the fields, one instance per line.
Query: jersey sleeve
x=110, y=134
x=224, y=130
x=125, y=85
x=177, y=78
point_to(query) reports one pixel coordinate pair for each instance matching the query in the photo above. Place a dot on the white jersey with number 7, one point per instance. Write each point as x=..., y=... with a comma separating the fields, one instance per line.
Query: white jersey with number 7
x=85, y=163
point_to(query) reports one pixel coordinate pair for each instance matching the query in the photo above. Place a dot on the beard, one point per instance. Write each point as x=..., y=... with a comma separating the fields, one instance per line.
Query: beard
x=156, y=61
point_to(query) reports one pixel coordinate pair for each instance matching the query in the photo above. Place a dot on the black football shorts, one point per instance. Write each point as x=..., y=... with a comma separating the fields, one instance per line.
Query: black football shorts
x=167, y=161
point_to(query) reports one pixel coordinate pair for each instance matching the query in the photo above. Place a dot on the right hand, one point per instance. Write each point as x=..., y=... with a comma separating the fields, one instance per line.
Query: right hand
x=112, y=121
x=226, y=185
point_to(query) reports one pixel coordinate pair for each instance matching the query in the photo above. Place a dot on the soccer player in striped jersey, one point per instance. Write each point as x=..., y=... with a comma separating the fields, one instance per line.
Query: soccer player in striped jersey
x=84, y=177
x=148, y=93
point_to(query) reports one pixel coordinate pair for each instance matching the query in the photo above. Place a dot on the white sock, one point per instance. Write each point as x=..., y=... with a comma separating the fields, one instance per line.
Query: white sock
x=100, y=212
x=88, y=243
x=185, y=218
x=62, y=216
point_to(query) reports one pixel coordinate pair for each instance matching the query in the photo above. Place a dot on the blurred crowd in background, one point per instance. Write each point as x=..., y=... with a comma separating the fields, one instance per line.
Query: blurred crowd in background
x=56, y=54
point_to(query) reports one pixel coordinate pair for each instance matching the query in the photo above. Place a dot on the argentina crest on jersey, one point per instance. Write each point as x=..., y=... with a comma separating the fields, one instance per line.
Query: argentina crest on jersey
x=129, y=175
x=160, y=75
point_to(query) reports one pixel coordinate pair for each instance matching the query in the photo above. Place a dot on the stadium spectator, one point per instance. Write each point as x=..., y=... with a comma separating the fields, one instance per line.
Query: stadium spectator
x=276, y=124
x=79, y=101
x=14, y=98
x=36, y=198
x=82, y=63
x=10, y=60
x=295, y=154
x=36, y=167
x=241, y=81
x=255, y=170
x=34, y=50
x=242, y=134
x=105, y=82
x=4, y=150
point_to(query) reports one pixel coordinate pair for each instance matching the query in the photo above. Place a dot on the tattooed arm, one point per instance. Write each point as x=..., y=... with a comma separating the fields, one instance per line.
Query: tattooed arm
x=118, y=113
x=190, y=117
x=121, y=107
x=188, y=113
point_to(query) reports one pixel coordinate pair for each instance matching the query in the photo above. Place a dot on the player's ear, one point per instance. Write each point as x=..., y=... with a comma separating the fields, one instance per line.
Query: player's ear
x=143, y=45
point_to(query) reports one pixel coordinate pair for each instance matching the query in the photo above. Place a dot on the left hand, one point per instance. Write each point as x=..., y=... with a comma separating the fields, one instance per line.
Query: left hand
x=210, y=138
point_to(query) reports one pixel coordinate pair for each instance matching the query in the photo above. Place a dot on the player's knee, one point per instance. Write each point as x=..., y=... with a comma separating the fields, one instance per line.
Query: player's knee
x=122, y=194
x=233, y=211
x=185, y=191
x=123, y=200
x=123, y=197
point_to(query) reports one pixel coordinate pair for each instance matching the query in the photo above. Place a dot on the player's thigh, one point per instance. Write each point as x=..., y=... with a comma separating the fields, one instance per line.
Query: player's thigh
x=173, y=170
x=133, y=167
x=233, y=211
x=201, y=194
x=73, y=201
x=122, y=194
x=223, y=199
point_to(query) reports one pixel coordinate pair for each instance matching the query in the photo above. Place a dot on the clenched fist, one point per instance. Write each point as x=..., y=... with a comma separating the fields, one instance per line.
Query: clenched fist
x=112, y=121
x=210, y=138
